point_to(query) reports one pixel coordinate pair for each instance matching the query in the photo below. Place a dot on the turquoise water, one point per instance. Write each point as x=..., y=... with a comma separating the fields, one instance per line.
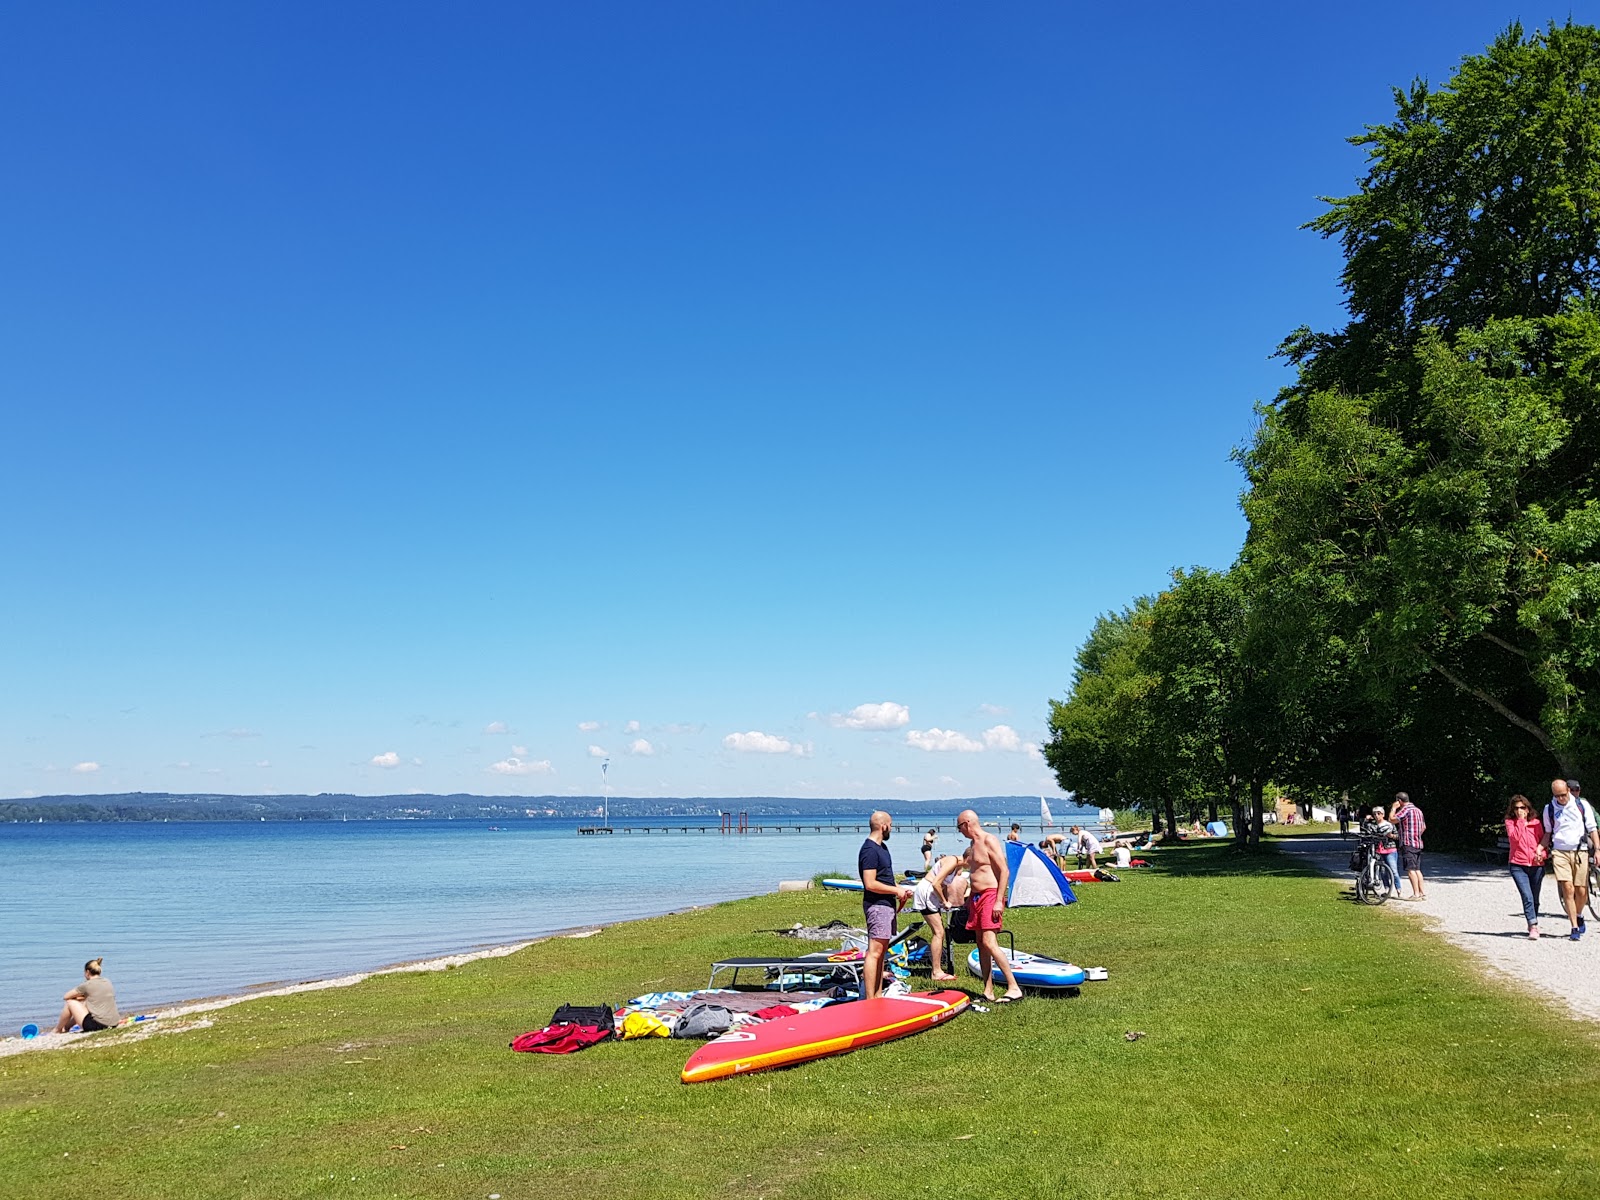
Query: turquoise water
x=184, y=910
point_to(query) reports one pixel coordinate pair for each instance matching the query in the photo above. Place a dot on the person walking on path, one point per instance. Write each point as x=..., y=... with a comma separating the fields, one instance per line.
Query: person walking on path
x=1407, y=818
x=881, y=898
x=1525, y=835
x=1569, y=837
x=986, y=861
x=1344, y=819
x=92, y=1004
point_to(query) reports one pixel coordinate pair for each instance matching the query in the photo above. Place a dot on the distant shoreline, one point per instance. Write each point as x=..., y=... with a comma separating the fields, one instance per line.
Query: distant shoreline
x=171, y=807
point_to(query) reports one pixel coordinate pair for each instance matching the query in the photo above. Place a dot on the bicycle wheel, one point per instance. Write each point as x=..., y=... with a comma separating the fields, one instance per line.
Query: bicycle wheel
x=1594, y=887
x=1386, y=885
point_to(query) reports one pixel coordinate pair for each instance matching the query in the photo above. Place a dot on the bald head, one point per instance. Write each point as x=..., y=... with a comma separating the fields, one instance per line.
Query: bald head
x=879, y=821
x=967, y=823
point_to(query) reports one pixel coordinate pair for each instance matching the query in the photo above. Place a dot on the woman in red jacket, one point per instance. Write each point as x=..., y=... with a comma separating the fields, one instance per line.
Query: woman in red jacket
x=1525, y=832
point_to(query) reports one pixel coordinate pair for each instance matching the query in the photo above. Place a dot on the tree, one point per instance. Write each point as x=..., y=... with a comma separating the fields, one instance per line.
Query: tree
x=1100, y=744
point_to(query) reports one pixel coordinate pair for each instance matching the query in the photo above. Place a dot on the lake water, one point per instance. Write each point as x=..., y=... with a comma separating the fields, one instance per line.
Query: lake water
x=181, y=910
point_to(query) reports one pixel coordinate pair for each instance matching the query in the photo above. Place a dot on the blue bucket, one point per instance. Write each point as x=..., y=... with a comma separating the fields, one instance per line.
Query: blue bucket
x=30, y=1031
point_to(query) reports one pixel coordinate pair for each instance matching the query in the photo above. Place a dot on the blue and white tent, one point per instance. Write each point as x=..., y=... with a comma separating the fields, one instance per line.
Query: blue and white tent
x=1036, y=882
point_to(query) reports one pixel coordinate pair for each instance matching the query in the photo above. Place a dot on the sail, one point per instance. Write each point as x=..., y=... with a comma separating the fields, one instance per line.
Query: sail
x=1044, y=812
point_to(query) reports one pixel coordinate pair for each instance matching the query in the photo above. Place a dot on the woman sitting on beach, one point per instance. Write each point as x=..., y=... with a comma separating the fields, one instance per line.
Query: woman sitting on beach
x=92, y=1004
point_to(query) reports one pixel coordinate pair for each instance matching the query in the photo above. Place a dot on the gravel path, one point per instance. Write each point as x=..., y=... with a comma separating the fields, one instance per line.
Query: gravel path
x=1475, y=906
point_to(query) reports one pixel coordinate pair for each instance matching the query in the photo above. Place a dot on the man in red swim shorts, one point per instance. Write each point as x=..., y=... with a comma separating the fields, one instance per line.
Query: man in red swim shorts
x=986, y=860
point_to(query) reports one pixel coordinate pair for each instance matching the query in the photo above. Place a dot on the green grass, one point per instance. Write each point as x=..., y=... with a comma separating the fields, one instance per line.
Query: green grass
x=1296, y=1044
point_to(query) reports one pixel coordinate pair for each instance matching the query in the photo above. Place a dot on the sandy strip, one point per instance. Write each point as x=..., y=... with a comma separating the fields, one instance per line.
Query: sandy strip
x=167, y=1020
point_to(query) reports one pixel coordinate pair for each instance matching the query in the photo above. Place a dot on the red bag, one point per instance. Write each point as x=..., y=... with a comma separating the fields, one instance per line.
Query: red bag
x=560, y=1039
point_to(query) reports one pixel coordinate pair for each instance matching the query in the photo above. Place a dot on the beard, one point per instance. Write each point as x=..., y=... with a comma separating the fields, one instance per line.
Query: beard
x=886, y=834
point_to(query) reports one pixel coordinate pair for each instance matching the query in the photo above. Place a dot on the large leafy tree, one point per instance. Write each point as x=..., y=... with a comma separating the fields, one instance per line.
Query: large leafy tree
x=1101, y=743
x=1423, y=502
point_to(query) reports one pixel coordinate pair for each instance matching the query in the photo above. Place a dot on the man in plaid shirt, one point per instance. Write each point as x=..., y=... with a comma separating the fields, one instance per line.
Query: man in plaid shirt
x=1407, y=818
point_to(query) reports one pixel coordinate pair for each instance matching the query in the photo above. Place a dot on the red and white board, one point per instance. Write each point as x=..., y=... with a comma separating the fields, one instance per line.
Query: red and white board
x=837, y=1029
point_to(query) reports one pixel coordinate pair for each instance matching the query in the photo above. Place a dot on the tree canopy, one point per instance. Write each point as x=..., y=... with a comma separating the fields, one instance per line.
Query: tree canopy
x=1416, y=601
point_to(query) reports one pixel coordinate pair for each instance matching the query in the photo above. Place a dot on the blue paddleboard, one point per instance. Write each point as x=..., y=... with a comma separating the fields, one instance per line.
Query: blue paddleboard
x=1034, y=970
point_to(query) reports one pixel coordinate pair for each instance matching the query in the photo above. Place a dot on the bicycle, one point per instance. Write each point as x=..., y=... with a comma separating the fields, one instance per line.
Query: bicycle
x=1375, y=881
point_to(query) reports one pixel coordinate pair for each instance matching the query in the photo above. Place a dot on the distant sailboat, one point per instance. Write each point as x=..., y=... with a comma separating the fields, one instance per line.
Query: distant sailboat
x=1044, y=812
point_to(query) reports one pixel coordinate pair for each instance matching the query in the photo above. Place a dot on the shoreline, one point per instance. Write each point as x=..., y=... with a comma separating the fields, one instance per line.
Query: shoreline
x=166, y=1019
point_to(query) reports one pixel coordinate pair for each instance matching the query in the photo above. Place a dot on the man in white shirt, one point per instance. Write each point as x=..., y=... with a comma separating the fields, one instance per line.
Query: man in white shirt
x=1570, y=837
x=1087, y=845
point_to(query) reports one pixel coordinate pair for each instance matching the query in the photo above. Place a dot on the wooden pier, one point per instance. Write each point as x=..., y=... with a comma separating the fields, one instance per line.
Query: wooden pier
x=785, y=827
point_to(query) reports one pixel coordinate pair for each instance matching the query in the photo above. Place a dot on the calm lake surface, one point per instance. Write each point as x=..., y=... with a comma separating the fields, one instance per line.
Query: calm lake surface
x=181, y=910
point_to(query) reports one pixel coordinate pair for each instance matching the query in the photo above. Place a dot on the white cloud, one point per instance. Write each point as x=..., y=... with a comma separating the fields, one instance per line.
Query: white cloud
x=517, y=766
x=597, y=752
x=631, y=727
x=756, y=742
x=993, y=710
x=901, y=781
x=1002, y=737
x=1033, y=751
x=520, y=751
x=950, y=780
x=86, y=768
x=386, y=760
x=588, y=726
x=416, y=762
x=943, y=740
x=887, y=715
x=497, y=727
x=263, y=763
x=640, y=746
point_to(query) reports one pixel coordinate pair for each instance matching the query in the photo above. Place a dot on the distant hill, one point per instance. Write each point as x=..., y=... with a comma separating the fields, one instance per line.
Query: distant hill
x=331, y=806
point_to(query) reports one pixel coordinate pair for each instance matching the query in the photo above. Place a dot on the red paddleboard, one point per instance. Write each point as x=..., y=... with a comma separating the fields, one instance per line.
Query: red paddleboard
x=1080, y=876
x=837, y=1029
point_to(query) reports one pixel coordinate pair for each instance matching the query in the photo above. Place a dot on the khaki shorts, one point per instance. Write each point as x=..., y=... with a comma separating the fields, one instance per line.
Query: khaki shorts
x=1570, y=866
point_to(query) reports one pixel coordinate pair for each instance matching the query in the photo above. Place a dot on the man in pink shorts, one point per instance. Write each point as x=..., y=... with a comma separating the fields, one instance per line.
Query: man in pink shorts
x=991, y=876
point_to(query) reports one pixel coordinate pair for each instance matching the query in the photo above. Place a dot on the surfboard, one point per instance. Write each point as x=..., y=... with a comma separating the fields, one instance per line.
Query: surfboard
x=1034, y=970
x=836, y=1029
x=843, y=885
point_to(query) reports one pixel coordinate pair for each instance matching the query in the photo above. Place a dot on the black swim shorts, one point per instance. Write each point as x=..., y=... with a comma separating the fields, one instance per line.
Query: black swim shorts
x=1411, y=858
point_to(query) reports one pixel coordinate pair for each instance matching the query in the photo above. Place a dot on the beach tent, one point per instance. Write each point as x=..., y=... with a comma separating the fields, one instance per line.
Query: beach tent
x=1217, y=829
x=1036, y=882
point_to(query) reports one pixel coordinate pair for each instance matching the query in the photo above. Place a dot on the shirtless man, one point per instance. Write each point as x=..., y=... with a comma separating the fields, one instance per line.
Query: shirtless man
x=986, y=860
x=928, y=901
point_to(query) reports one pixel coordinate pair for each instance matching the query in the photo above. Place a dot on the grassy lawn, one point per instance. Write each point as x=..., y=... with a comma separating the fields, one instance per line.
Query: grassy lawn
x=1296, y=1044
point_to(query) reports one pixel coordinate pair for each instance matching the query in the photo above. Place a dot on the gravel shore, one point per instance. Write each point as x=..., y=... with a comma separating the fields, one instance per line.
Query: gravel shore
x=1475, y=905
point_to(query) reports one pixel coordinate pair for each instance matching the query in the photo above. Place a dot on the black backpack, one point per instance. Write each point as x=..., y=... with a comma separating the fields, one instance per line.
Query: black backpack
x=599, y=1016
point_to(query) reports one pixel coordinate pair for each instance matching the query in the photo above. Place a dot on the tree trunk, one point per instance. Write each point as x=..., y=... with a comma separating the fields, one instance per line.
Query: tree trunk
x=1172, y=823
x=1258, y=788
x=1241, y=832
x=1211, y=808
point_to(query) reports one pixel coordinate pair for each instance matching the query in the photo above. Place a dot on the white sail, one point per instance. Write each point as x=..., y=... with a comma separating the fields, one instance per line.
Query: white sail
x=1044, y=812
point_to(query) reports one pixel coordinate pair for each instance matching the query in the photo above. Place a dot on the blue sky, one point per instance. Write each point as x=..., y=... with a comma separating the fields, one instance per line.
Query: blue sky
x=407, y=397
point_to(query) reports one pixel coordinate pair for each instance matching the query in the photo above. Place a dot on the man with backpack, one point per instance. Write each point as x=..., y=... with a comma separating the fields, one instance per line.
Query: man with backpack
x=1570, y=836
